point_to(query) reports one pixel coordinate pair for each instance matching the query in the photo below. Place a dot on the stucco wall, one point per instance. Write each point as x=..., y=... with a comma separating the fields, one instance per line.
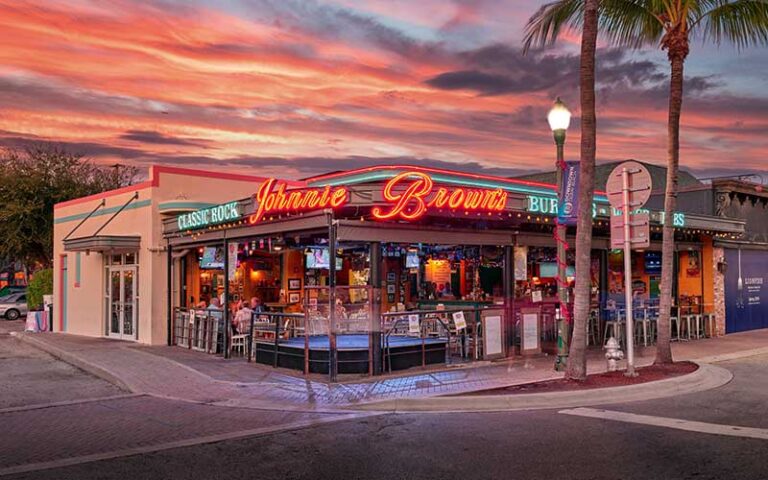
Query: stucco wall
x=167, y=190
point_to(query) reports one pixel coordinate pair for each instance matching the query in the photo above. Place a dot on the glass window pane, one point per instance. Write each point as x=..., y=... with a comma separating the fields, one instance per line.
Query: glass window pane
x=117, y=259
x=130, y=258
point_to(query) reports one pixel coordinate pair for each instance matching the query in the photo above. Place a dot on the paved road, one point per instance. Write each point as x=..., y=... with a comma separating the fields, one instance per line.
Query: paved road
x=53, y=413
x=29, y=376
x=525, y=445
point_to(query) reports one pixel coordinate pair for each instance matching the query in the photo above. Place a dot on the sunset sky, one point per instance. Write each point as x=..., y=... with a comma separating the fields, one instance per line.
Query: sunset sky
x=295, y=88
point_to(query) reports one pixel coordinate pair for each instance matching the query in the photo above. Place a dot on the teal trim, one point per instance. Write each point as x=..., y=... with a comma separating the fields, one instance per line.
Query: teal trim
x=441, y=178
x=193, y=205
x=77, y=269
x=64, y=291
x=103, y=211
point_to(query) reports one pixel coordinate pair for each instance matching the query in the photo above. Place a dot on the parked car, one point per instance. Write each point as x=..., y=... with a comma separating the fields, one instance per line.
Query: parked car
x=9, y=289
x=13, y=306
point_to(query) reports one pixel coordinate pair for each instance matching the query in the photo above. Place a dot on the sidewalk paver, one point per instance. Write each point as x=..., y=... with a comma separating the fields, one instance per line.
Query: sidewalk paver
x=179, y=373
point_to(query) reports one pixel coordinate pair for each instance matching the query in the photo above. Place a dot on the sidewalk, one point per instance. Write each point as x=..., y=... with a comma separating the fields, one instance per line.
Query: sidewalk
x=177, y=373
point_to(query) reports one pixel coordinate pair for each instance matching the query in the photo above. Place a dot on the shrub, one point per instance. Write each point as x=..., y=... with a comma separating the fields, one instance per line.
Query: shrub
x=41, y=284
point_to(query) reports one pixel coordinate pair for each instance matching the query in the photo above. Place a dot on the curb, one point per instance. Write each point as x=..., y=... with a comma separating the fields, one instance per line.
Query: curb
x=75, y=361
x=724, y=357
x=706, y=377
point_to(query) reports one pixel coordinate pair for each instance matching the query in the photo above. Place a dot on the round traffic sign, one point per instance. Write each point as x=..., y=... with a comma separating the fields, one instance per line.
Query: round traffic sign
x=639, y=183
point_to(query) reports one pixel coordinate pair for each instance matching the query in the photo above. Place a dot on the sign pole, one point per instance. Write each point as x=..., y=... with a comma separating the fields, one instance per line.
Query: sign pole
x=630, y=331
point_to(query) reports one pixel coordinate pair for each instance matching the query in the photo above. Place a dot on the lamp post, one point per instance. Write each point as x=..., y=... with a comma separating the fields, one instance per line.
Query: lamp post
x=559, y=119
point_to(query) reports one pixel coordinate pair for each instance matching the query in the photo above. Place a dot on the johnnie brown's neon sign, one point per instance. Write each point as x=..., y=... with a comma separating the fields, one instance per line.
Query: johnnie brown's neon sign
x=278, y=200
x=410, y=193
x=413, y=193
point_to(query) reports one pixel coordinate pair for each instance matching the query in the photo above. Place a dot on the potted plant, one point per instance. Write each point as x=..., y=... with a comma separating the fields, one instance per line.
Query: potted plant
x=40, y=285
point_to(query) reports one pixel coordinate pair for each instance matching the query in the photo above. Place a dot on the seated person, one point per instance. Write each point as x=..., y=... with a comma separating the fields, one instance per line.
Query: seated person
x=241, y=321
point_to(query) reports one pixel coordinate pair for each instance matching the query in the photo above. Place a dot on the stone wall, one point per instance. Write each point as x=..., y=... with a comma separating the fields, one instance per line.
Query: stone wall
x=718, y=255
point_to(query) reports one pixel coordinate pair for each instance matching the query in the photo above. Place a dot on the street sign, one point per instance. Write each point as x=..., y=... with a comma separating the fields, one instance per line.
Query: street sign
x=639, y=231
x=628, y=188
x=639, y=185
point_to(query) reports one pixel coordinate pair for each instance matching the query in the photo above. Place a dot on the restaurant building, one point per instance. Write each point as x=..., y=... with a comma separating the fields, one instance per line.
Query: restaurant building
x=360, y=271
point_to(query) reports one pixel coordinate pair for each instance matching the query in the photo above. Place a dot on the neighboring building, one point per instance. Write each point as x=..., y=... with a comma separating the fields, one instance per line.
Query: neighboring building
x=109, y=251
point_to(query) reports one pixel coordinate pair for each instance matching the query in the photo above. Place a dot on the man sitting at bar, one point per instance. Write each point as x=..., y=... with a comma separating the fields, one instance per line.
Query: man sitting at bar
x=256, y=305
x=215, y=304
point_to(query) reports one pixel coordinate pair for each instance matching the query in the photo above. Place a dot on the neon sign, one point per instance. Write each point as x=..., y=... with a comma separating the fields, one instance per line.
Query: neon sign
x=413, y=193
x=275, y=199
x=548, y=206
x=209, y=216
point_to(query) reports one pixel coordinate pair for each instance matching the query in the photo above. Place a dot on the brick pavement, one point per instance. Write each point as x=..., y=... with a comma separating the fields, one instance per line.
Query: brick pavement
x=111, y=426
x=177, y=373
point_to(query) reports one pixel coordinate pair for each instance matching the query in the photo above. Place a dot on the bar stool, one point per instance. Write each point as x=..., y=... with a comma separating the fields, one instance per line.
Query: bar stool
x=709, y=325
x=593, y=328
x=616, y=328
x=642, y=328
x=685, y=324
x=698, y=326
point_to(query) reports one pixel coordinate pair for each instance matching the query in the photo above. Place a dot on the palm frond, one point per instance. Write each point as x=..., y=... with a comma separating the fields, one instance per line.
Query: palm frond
x=632, y=23
x=545, y=26
x=742, y=22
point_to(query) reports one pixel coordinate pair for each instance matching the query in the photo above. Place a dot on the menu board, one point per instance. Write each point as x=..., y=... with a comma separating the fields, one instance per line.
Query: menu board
x=493, y=340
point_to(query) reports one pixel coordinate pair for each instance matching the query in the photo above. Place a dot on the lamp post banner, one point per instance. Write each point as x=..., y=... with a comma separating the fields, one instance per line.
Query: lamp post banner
x=568, y=195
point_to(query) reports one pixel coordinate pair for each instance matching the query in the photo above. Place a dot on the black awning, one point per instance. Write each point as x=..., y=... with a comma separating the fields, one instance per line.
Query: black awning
x=103, y=244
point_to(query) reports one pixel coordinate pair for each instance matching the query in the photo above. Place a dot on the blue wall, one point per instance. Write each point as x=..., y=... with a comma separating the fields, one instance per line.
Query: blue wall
x=746, y=308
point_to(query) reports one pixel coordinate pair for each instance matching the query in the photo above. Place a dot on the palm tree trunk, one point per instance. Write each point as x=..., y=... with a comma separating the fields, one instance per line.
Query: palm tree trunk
x=577, y=360
x=663, y=348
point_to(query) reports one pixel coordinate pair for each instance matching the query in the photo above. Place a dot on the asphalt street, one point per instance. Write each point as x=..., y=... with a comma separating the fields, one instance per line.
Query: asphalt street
x=520, y=445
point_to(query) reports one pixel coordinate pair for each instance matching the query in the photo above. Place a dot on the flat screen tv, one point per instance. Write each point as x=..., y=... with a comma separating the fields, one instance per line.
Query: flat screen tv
x=319, y=257
x=412, y=260
x=549, y=270
x=212, y=259
x=653, y=263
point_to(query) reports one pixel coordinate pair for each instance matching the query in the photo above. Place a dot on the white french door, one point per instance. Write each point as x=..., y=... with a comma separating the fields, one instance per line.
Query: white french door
x=121, y=301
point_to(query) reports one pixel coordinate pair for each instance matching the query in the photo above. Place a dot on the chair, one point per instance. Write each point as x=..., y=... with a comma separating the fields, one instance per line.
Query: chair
x=685, y=324
x=239, y=342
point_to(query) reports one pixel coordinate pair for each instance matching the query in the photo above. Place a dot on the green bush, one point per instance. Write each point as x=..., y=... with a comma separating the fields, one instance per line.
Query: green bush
x=41, y=284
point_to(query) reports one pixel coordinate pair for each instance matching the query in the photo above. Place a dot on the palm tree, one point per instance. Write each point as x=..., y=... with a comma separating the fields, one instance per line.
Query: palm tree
x=672, y=24
x=543, y=28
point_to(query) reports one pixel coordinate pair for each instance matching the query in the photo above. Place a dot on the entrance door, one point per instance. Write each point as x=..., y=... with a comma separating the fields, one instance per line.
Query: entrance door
x=121, y=301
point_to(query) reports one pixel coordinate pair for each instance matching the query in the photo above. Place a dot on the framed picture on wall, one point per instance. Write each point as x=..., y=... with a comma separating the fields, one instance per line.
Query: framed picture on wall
x=294, y=297
x=391, y=298
x=294, y=284
x=390, y=288
x=391, y=276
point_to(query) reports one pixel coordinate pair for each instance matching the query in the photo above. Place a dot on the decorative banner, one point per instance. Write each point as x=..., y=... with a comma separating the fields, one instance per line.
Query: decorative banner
x=568, y=198
x=232, y=252
x=413, y=324
x=459, y=320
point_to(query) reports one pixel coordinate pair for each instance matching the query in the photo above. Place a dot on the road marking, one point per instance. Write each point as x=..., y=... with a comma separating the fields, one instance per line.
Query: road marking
x=256, y=432
x=666, y=422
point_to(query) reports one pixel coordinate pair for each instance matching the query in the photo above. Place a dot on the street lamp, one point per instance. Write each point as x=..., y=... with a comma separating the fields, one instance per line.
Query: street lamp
x=559, y=119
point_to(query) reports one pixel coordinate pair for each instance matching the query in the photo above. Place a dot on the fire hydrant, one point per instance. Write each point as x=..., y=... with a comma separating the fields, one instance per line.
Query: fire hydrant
x=613, y=354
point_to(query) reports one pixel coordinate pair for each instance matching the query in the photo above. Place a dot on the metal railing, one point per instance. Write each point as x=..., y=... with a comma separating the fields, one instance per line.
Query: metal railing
x=430, y=325
x=200, y=330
